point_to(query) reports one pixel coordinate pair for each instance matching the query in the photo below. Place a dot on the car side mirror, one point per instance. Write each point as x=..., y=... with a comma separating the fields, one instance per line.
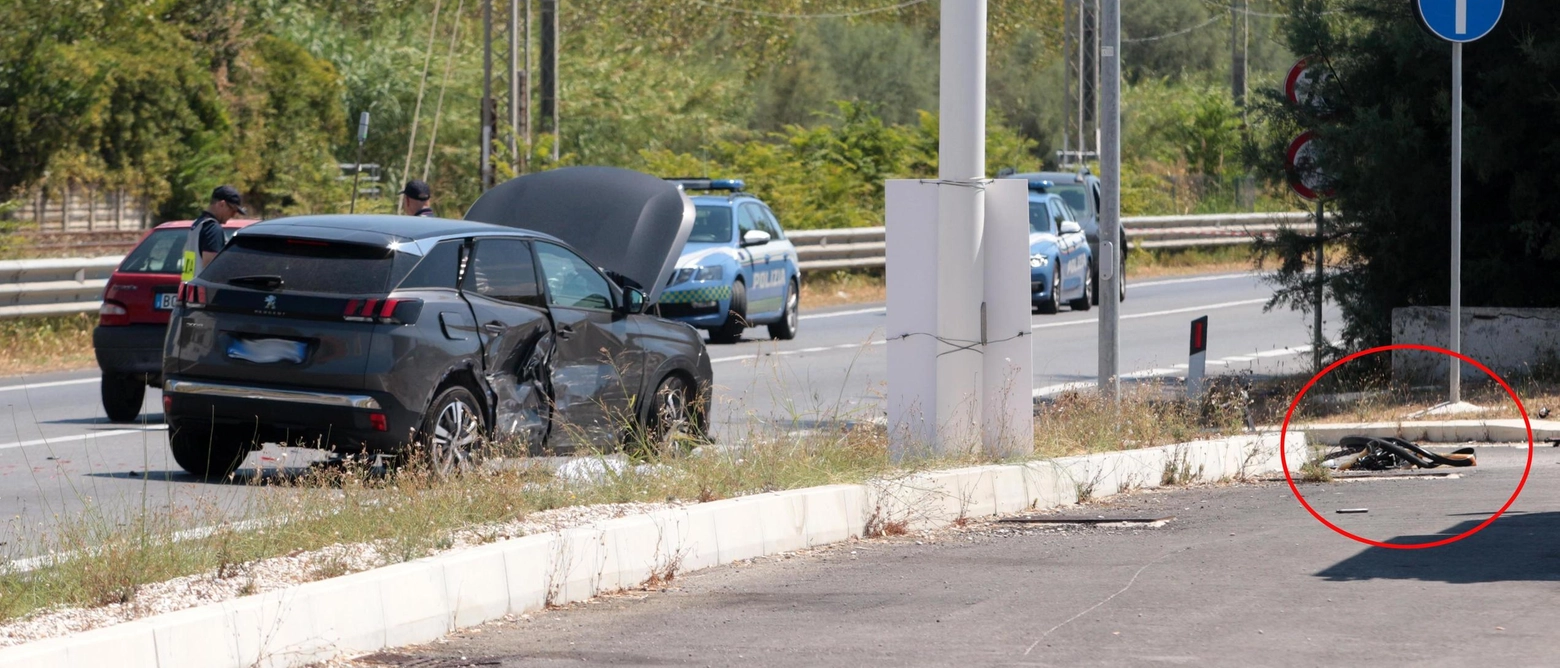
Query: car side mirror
x=633, y=301
x=756, y=238
x=1071, y=227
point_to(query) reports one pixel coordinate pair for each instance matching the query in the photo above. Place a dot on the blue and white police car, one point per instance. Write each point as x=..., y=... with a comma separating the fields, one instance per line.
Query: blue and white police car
x=1059, y=255
x=738, y=270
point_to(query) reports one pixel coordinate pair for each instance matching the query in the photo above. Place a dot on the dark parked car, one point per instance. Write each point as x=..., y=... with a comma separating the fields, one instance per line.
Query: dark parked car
x=424, y=336
x=133, y=320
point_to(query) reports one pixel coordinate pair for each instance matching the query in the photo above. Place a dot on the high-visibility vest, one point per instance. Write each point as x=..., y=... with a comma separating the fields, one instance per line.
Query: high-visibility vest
x=193, y=262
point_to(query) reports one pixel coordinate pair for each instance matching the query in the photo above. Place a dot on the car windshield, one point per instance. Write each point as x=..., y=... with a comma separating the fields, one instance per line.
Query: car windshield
x=1074, y=195
x=308, y=265
x=1040, y=218
x=711, y=226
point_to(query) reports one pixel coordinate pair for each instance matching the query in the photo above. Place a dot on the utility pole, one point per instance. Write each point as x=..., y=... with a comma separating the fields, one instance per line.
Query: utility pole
x=487, y=95
x=549, y=68
x=1110, y=209
x=524, y=128
x=1240, y=40
x=514, y=86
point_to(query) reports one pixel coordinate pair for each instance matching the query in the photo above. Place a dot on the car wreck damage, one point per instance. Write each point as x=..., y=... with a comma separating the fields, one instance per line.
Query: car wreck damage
x=427, y=337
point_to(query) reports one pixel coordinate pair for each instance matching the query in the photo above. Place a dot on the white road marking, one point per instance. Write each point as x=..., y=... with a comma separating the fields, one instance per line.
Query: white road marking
x=1046, y=325
x=83, y=437
x=1051, y=390
x=1147, y=284
x=40, y=386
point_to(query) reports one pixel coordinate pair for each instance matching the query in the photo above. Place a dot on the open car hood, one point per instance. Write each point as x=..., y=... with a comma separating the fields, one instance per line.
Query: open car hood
x=630, y=223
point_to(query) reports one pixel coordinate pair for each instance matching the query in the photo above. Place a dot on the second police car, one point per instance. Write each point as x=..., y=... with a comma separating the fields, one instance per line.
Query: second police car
x=1059, y=255
x=737, y=270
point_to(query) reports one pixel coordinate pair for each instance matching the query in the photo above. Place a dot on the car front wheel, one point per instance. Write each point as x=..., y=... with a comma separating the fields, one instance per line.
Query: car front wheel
x=122, y=396
x=736, y=317
x=1054, y=303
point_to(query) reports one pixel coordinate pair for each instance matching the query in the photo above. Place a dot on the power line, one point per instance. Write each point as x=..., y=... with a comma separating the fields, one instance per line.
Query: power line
x=831, y=15
x=1178, y=33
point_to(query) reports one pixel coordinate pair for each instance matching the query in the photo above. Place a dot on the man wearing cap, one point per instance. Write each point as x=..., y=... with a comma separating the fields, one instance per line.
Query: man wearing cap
x=206, y=238
x=415, y=199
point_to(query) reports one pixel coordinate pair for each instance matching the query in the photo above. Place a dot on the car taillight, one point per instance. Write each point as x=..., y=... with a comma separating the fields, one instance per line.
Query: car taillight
x=193, y=296
x=113, y=314
x=387, y=311
x=377, y=420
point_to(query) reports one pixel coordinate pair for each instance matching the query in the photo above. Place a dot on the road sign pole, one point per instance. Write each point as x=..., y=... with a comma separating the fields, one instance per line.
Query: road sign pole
x=1110, y=204
x=1457, y=137
x=1318, y=344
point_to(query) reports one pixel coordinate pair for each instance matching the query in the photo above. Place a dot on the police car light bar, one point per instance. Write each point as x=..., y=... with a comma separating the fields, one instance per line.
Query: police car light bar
x=729, y=185
x=1041, y=186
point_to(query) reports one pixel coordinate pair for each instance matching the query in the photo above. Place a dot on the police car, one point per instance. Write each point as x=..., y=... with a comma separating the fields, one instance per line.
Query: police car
x=1059, y=255
x=737, y=270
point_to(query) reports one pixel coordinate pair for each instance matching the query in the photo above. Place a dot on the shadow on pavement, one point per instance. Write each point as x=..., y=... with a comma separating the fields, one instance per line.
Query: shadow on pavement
x=1517, y=547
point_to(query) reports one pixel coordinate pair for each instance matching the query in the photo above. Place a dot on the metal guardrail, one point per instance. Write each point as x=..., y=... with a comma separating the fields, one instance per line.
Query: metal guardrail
x=30, y=288
x=864, y=248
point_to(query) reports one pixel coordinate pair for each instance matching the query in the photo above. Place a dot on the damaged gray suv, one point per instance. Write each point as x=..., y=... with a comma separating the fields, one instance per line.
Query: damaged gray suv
x=426, y=337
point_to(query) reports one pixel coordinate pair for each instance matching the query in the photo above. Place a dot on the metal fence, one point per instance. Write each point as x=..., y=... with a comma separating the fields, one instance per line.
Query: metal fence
x=30, y=288
x=863, y=247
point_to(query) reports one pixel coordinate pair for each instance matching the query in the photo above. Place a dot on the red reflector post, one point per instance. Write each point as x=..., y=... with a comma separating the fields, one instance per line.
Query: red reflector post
x=378, y=421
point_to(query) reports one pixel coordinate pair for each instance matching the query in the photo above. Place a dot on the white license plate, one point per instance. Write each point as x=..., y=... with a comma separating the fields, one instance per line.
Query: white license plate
x=267, y=351
x=166, y=301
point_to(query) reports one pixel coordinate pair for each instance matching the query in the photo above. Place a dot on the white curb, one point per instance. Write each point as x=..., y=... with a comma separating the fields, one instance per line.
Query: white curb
x=1442, y=431
x=425, y=599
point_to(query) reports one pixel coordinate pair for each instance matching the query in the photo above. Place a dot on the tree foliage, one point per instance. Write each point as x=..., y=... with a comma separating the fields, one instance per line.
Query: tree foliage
x=1387, y=148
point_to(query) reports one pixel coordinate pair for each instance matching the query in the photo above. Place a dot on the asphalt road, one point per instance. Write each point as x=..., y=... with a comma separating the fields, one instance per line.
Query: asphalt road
x=57, y=452
x=1241, y=577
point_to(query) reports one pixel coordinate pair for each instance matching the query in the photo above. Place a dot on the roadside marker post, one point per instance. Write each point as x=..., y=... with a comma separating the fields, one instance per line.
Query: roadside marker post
x=1458, y=22
x=1197, y=366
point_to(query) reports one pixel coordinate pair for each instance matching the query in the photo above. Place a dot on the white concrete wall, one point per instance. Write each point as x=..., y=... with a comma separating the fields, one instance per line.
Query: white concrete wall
x=1509, y=341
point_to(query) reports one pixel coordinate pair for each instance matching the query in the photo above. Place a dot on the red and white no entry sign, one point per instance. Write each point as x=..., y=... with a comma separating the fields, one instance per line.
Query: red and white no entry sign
x=1302, y=84
x=1305, y=177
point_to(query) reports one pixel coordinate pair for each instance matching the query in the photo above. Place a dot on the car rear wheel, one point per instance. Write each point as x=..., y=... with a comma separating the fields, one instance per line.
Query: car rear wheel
x=736, y=317
x=785, y=329
x=453, y=433
x=1083, y=302
x=1054, y=302
x=209, y=453
x=122, y=396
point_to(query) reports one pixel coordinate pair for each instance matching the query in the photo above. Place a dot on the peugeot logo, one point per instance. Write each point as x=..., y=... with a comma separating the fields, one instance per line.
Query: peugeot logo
x=270, y=302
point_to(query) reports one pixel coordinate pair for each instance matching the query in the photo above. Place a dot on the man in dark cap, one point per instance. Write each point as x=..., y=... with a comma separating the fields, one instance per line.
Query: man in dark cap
x=206, y=238
x=415, y=199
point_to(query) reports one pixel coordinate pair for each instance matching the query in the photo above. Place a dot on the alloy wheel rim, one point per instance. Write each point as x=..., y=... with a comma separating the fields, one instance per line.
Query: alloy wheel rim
x=455, y=436
x=791, y=309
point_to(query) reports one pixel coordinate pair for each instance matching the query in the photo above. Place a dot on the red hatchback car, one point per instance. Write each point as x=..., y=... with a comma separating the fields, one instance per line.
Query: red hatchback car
x=133, y=320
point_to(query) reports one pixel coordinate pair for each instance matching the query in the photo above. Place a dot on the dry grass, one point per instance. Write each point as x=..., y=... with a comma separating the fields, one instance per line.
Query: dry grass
x=1379, y=400
x=109, y=553
x=38, y=345
x=1142, y=264
x=836, y=288
x=1147, y=415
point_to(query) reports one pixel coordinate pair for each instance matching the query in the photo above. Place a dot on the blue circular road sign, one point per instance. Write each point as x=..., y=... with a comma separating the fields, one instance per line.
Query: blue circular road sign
x=1459, y=20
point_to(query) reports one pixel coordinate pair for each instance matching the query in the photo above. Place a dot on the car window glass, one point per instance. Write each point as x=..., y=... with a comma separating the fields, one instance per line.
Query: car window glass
x=161, y=253
x=502, y=269
x=767, y=223
x=1074, y=196
x=711, y=225
x=1040, y=218
x=1097, y=205
x=440, y=268
x=310, y=265
x=1057, y=215
x=746, y=220
x=571, y=281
